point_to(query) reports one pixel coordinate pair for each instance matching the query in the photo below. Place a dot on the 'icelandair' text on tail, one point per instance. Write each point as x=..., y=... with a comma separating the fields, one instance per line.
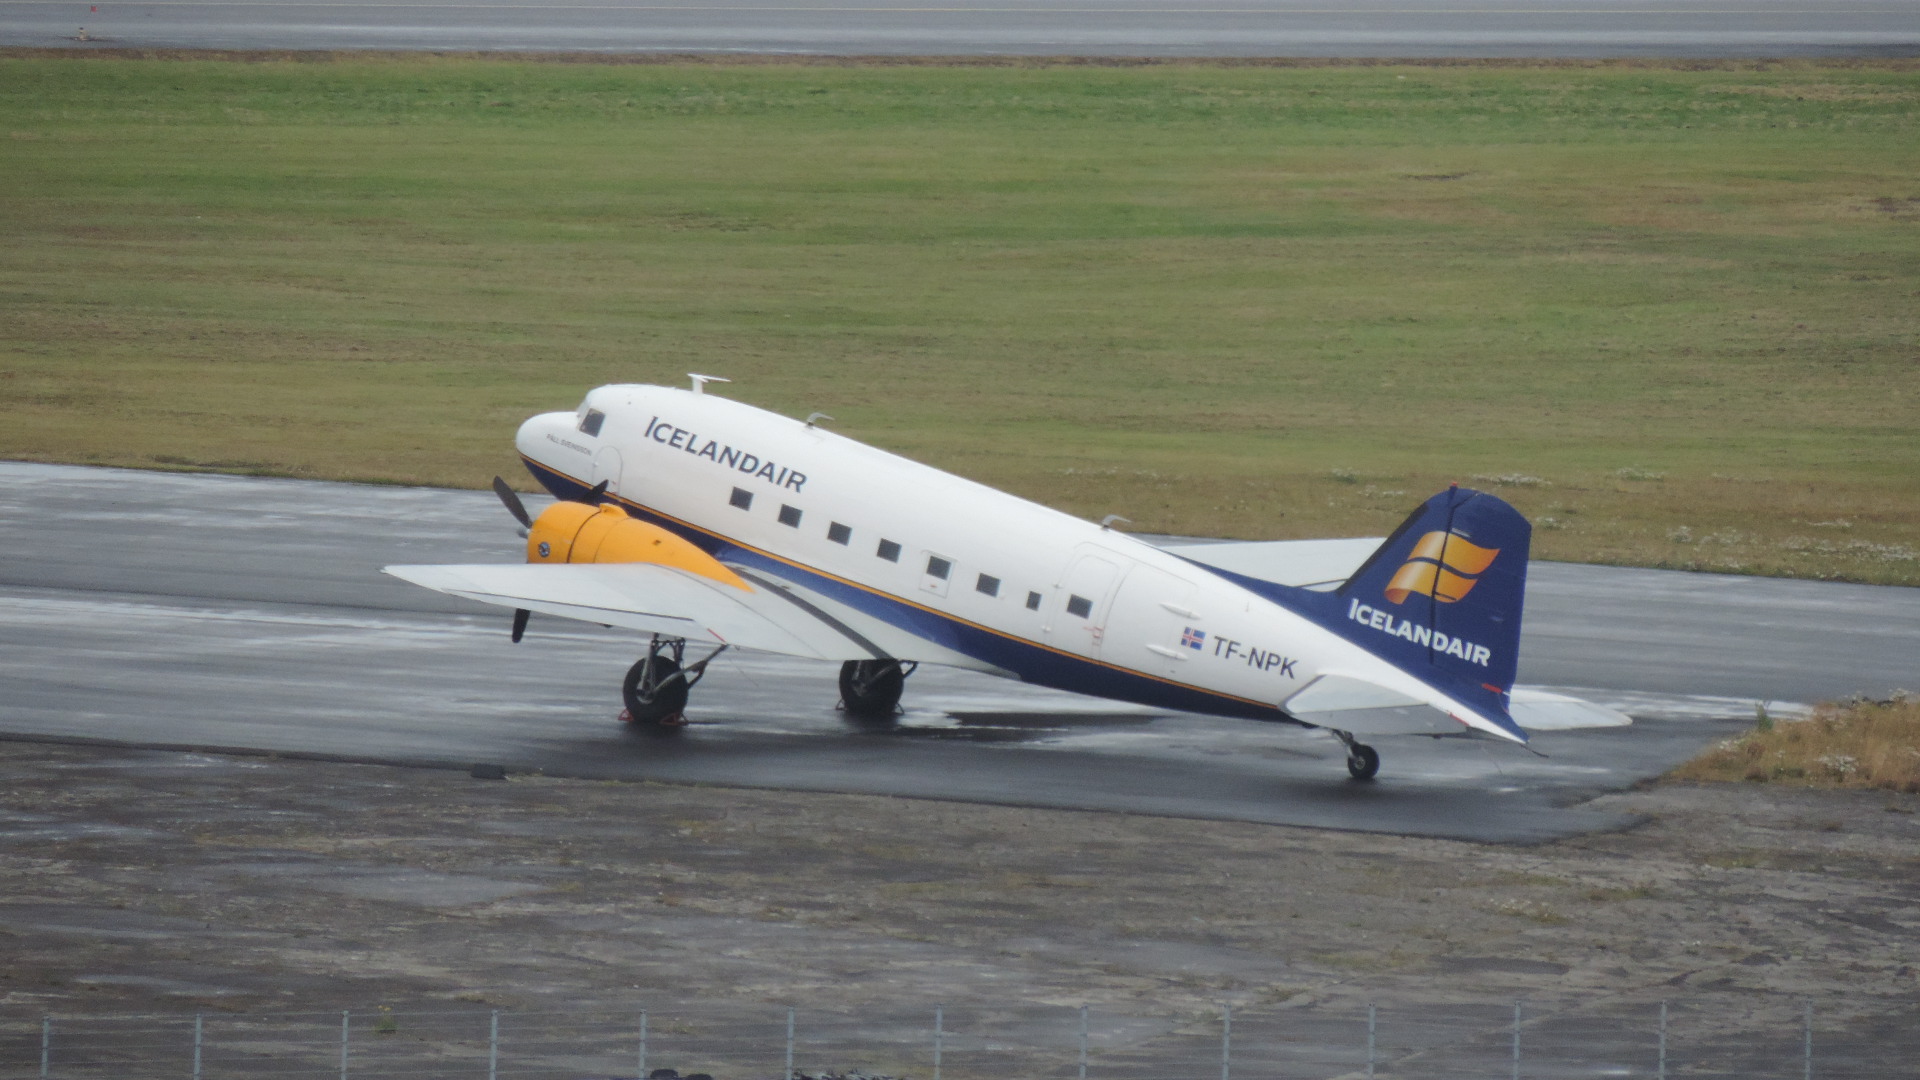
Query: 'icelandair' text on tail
x=1384, y=622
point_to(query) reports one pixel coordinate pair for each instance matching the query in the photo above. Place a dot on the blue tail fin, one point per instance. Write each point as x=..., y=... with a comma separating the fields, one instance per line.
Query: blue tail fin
x=1440, y=599
x=1443, y=594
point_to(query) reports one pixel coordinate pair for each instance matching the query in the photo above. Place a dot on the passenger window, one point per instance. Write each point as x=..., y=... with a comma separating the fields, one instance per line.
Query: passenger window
x=590, y=423
x=790, y=516
x=839, y=533
x=1033, y=601
x=1079, y=607
x=987, y=584
x=742, y=498
x=938, y=567
x=888, y=550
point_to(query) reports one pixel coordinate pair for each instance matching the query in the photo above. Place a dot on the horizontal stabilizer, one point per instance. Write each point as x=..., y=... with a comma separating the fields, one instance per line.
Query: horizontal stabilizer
x=1361, y=707
x=1303, y=564
x=650, y=597
x=1544, y=710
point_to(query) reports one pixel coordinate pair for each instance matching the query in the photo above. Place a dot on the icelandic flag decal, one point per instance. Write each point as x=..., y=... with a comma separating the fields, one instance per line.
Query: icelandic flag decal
x=1192, y=638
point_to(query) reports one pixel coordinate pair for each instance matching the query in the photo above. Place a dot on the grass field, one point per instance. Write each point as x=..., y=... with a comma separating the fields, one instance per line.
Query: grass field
x=1673, y=313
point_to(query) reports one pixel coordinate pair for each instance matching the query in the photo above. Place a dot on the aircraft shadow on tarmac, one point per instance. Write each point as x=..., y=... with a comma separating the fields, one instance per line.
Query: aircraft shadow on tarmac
x=973, y=726
x=1025, y=726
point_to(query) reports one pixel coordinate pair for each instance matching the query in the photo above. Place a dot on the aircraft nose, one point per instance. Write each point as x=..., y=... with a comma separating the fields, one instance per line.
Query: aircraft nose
x=532, y=438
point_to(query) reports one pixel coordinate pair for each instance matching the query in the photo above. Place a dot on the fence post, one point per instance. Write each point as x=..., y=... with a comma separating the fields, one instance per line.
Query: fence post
x=46, y=1045
x=346, y=1015
x=1808, y=1071
x=197, y=1018
x=1516, y=1041
x=1083, y=1042
x=493, y=1047
x=1662, y=1075
x=939, y=1036
x=642, y=1074
x=1226, y=1040
x=1370, y=1044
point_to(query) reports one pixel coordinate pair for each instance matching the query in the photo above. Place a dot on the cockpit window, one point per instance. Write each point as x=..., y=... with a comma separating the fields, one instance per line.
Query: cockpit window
x=590, y=423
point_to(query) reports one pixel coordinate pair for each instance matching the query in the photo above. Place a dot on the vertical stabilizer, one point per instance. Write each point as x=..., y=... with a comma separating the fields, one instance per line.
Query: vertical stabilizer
x=1442, y=596
x=1440, y=599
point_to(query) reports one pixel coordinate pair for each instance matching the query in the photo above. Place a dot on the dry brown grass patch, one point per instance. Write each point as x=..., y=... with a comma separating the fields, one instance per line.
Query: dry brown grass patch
x=1864, y=744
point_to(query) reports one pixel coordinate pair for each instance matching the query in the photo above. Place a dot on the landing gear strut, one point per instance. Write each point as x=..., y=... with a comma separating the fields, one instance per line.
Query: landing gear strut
x=1363, y=762
x=870, y=689
x=656, y=688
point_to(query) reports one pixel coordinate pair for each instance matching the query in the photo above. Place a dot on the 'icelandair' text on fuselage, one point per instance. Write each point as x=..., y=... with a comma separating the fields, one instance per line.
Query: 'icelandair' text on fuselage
x=680, y=438
x=1384, y=622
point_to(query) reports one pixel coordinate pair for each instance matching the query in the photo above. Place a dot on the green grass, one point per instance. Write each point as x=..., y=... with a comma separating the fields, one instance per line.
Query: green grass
x=1678, y=310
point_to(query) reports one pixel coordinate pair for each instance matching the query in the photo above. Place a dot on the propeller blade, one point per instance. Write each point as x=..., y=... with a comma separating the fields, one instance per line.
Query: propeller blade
x=599, y=492
x=520, y=616
x=511, y=500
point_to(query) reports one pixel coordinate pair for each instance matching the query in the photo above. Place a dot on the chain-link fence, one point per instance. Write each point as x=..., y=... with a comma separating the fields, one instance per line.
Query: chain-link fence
x=754, y=1042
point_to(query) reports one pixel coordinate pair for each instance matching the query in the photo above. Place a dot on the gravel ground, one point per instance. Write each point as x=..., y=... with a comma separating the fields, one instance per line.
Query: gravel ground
x=145, y=881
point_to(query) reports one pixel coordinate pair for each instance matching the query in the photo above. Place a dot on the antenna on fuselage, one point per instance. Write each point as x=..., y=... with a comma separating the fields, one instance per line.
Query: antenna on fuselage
x=1108, y=521
x=812, y=418
x=700, y=381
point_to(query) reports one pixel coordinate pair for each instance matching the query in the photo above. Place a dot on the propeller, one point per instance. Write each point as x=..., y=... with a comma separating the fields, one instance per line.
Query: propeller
x=511, y=499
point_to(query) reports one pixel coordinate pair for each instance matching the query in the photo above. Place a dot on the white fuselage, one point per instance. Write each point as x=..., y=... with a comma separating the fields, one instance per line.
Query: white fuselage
x=1026, y=591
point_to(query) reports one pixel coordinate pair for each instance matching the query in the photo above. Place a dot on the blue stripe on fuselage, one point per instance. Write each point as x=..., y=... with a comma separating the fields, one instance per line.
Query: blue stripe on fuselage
x=1033, y=662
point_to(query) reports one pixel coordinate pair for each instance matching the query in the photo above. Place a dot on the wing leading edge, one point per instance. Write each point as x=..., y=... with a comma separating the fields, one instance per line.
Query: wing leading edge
x=650, y=597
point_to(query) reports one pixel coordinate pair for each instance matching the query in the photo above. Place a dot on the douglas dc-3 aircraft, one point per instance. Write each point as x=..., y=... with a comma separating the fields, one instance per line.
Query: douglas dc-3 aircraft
x=710, y=524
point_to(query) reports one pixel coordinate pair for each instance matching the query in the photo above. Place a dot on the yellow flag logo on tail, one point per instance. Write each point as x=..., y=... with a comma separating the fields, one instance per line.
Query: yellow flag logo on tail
x=1443, y=565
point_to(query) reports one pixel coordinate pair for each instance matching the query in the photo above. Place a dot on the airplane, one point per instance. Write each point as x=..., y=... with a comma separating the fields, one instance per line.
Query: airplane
x=710, y=524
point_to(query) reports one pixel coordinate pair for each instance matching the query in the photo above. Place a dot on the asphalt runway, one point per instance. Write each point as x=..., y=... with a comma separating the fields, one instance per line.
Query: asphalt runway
x=205, y=611
x=1156, y=28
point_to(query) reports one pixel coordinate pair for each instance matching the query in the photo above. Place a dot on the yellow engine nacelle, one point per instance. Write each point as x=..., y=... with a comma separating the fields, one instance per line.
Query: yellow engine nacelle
x=571, y=532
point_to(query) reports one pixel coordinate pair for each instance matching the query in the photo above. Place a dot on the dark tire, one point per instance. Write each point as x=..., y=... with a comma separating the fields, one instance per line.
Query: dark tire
x=870, y=689
x=647, y=700
x=1362, y=762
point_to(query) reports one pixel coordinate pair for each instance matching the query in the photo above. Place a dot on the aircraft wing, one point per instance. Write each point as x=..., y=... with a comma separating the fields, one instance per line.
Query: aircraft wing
x=1302, y=563
x=655, y=598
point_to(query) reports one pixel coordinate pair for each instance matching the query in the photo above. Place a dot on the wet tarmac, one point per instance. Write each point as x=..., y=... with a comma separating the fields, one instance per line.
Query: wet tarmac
x=1374, y=28
x=172, y=610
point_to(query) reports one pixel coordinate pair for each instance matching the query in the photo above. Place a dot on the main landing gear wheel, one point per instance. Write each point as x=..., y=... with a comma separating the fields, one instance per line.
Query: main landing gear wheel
x=655, y=690
x=1363, y=762
x=870, y=689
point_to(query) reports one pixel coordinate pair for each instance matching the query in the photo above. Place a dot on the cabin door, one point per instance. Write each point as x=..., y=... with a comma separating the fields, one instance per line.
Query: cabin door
x=1077, y=619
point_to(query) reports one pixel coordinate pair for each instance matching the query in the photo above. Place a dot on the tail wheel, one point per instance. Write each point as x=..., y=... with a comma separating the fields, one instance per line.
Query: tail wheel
x=654, y=691
x=1363, y=762
x=871, y=688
